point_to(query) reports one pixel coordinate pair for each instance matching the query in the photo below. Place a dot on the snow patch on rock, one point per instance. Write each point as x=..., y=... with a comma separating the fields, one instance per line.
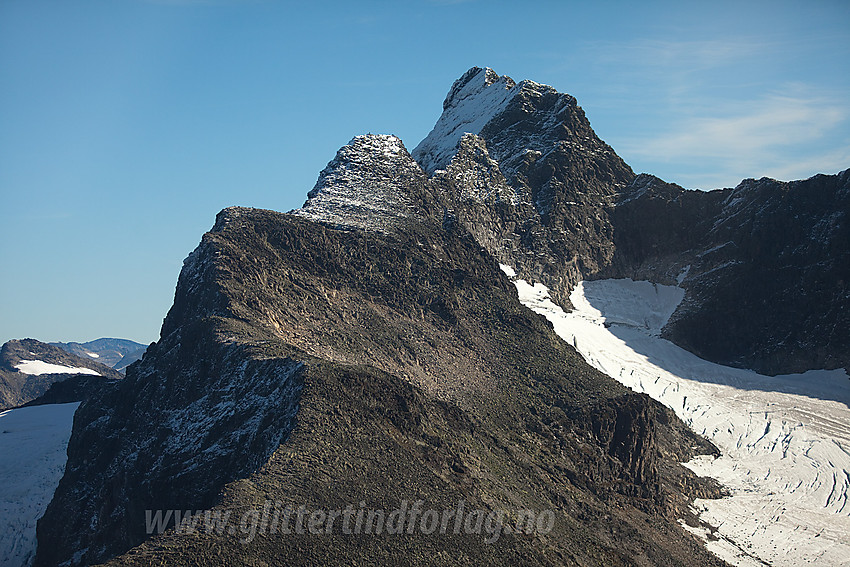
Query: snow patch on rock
x=39, y=367
x=474, y=100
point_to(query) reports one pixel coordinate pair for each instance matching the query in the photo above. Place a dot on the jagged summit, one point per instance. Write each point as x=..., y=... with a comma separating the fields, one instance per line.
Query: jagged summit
x=364, y=185
x=476, y=175
x=472, y=81
x=521, y=123
x=474, y=99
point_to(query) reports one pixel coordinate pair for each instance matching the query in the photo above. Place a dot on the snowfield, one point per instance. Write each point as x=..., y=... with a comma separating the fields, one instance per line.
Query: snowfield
x=33, y=443
x=785, y=440
x=39, y=367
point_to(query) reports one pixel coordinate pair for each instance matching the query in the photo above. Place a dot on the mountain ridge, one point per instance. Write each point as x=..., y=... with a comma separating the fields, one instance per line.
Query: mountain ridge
x=116, y=353
x=568, y=209
x=370, y=342
x=429, y=355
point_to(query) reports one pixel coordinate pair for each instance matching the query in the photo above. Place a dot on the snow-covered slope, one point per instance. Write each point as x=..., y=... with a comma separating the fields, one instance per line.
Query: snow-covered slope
x=785, y=440
x=32, y=460
x=475, y=99
x=39, y=367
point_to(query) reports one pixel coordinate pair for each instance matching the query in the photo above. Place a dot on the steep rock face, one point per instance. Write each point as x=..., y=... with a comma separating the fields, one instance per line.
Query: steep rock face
x=764, y=267
x=29, y=367
x=73, y=389
x=199, y=410
x=420, y=376
x=473, y=192
x=564, y=179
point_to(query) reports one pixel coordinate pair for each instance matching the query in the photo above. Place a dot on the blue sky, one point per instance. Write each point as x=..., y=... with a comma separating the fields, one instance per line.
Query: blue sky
x=125, y=125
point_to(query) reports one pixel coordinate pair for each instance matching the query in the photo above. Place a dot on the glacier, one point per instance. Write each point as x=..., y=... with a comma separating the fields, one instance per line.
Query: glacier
x=784, y=440
x=33, y=441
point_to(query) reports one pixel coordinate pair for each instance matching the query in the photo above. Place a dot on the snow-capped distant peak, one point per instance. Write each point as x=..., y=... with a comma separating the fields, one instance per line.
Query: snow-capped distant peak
x=39, y=367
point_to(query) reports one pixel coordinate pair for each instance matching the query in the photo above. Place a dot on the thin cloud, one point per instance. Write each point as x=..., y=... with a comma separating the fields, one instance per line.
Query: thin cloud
x=669, y=56
x=764, y=126
x=191, y=3
x=786, y=135
x=832, y=162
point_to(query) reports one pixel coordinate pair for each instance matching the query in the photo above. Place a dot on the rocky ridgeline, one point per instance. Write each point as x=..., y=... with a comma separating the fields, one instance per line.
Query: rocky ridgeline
x=368, y=345
x=519, y=167
x=329, y=366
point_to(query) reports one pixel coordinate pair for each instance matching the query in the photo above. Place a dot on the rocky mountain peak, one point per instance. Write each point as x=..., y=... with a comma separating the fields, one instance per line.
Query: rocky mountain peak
x=474, y=99
x=365, y=185
x=476, y=175
x=472, y=83
x=522, y=124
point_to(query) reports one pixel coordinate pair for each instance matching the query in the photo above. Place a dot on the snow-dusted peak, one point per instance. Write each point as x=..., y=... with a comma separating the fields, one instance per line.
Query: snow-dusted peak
x=483, y=103
x=363, y=185
x=472, y=83
x=474, y=99
x=386, y=144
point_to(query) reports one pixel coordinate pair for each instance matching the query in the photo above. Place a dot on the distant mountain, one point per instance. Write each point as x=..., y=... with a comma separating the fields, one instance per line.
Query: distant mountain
x=29, y=367
x=116, y=353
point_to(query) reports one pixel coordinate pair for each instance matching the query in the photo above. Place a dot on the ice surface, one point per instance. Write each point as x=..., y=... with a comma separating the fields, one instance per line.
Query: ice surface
x=38, y=367
x=785, y=440
x=33, y=442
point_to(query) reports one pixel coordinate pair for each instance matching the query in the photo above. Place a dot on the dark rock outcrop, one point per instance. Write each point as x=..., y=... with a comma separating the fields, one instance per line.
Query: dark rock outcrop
x=539, y=148
x=75, y=388
x=764, y=267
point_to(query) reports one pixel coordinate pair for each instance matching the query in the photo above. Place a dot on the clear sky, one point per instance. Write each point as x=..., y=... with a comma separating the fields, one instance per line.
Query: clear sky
x=125, y=125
